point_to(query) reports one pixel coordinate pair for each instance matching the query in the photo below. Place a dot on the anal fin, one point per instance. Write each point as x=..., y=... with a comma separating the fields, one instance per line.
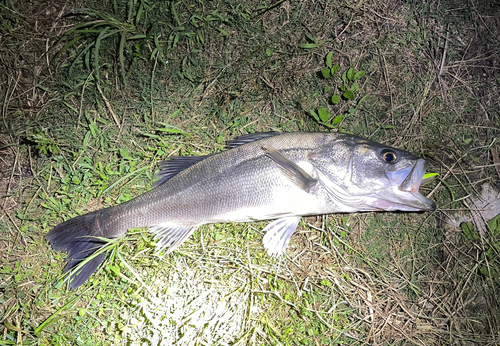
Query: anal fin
x=171, y=235
x=278, y=234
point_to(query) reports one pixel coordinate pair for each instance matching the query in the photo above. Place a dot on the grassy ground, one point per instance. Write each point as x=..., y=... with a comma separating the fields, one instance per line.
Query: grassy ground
x=94, y=94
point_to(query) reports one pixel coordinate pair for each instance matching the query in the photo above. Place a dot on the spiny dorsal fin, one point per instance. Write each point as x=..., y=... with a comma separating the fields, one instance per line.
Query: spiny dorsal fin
x=252, y=137
x=291, y=170
x=173, y=166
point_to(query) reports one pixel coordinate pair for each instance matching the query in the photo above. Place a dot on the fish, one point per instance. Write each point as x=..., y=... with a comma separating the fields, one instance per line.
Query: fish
x=275, y=176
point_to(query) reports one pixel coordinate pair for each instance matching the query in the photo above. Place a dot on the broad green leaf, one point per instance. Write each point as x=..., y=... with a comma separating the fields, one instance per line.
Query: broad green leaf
x=358, y=75
x=269, y=52
x=355, y=87
x=315, y=115
x=330, y=126
x=329, y=59
x=6, y=269
x=489, y=254
x=325, y=72
x=469, y=230
x=124, y=153
x=349, y=95
x=324, y=114
x=484, y=270
x=344, y=78
x=335, y=99
x=494, y=226
x=338, y=119
x=335, y=68
x=350, y=74
x=312, y=38
x=327, y=89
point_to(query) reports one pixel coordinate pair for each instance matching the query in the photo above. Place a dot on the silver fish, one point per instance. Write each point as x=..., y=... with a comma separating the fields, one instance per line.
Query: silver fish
x=262, y=176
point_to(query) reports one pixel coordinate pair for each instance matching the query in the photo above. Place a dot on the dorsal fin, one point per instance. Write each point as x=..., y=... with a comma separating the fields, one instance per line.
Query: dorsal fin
x=173, y=166
x=252, y=137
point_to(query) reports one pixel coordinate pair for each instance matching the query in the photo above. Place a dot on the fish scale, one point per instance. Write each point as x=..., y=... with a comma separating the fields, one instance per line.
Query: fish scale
x=262, y=176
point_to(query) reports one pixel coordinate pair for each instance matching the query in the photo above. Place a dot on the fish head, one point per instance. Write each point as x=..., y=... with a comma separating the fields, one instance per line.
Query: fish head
x=363, y=175
x=390, y=178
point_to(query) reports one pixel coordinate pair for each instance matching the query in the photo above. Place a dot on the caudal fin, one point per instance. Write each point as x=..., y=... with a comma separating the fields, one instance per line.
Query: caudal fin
x=76, y=236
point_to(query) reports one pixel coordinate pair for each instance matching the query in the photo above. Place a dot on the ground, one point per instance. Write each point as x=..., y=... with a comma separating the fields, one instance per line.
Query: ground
x=95, y=94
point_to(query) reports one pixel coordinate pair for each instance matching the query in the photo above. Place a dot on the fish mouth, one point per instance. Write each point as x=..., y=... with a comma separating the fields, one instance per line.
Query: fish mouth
x=405, y=186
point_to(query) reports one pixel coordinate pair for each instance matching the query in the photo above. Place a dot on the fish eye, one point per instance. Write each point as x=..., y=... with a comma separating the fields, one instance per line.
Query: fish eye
x=389, y=156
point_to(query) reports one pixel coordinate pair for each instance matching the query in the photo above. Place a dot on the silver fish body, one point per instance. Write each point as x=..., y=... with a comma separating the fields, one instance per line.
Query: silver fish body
x=263, y=176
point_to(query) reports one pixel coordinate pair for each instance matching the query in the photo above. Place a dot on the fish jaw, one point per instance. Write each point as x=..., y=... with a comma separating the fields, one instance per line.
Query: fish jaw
x=404, y=192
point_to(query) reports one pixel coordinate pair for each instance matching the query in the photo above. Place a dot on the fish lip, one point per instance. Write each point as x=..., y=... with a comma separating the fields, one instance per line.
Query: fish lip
x=414, y=178
x=406, y=184
x=412, y=183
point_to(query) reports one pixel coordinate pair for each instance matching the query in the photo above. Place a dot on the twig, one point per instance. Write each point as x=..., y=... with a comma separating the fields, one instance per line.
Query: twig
x=108, y=105
x=444, y=53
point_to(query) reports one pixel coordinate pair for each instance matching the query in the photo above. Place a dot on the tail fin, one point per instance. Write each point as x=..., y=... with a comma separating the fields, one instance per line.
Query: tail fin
x=76, y=236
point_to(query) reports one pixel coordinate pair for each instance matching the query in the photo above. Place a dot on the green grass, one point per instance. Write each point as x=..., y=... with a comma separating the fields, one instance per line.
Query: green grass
x=91, y=102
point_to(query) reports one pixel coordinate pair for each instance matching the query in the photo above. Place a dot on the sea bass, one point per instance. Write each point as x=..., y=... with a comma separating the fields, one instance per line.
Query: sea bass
x=263, y=176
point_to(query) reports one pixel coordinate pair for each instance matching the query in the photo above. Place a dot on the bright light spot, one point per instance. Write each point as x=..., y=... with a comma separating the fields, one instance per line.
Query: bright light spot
x=192, y=306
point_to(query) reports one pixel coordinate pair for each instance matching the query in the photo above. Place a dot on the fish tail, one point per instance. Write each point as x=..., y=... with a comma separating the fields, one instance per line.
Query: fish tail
x=77, y=236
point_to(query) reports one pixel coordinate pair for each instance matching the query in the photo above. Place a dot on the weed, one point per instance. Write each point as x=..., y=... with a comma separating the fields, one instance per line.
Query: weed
x=348, y=86
x=489, y=245
x=103, y=27
x=44, y=144
x=139, y=36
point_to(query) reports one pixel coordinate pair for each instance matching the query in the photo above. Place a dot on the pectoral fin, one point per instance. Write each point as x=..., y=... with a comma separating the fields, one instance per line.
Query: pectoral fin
x=290, y=169
x=278, y=234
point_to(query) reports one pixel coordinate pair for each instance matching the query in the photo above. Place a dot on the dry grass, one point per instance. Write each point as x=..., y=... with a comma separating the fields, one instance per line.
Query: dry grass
x=433, y=76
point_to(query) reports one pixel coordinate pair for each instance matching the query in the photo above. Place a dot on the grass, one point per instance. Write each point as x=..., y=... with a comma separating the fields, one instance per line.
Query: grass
x=93, y=99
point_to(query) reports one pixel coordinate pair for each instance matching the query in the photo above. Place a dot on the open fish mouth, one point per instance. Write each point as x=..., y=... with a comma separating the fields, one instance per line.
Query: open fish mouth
x=406, y=184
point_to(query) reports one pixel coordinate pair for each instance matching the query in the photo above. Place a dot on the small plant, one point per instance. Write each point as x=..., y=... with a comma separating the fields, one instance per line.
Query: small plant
x=313, y=43
x=134, y=34
x=489, y=258
x=44, y=144
x=101, y=27
x=343, y=90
